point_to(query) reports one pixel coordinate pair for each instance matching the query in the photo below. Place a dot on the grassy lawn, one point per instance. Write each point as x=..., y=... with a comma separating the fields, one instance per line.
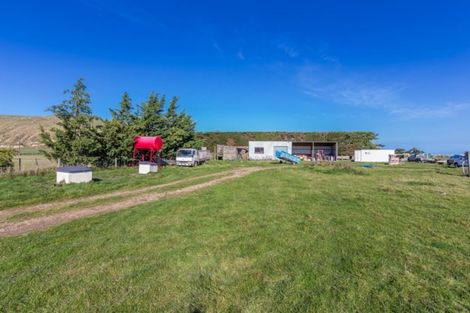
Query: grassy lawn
x=296, y=239
x=21, y=190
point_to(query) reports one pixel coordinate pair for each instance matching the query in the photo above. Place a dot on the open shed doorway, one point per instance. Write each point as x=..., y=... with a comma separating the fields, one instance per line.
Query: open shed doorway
x=325, y=151
x=303, y=149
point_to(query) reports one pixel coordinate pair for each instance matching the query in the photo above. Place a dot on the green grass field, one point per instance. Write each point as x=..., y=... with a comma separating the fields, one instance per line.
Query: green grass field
x=287, y=239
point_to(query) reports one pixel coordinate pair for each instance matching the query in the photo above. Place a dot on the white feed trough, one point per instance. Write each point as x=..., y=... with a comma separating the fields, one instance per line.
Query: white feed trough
x=73, y=174
x=147, y=167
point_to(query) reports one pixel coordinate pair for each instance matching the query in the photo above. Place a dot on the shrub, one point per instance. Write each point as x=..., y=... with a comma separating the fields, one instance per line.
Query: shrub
x=6, y=159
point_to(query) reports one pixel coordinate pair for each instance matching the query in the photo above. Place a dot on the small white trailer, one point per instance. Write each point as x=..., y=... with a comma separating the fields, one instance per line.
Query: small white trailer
x=73, y=174
x=373, y=155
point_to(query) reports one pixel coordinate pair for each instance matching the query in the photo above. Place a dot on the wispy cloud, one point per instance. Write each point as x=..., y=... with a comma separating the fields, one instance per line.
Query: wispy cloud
x=288, y=49
x=240, y=55
x=354, y=89
x=448, y=109
x=217, y=48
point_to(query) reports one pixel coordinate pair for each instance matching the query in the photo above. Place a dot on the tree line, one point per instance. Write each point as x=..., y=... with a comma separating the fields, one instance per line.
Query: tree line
x=84, y=138
x=413, y=150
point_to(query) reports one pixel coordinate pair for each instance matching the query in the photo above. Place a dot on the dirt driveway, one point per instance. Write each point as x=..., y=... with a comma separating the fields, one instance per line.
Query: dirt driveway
x=147, y=194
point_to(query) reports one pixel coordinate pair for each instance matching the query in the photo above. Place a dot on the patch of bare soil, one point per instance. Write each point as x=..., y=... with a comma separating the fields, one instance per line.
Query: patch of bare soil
x=39, y=223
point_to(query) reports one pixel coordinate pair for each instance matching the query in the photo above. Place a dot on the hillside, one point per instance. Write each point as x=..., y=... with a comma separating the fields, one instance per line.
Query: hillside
x=23, y=129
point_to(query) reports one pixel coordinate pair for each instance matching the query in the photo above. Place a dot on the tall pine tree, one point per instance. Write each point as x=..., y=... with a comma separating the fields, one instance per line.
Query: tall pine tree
x=76, y=139
x=118, y=133
x=151, y=121
x=124, y=115
x=179, y=131
x=176, y=129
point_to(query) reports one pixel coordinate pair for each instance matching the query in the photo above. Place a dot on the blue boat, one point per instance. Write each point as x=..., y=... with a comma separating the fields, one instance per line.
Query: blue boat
x=284, y=156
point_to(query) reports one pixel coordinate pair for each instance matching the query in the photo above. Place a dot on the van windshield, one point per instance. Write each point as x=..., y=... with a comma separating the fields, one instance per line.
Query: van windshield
x=185, y=153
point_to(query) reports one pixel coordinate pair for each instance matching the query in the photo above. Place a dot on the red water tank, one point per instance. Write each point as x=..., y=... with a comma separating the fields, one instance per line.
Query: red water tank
x=148, y=143
x=142, y=144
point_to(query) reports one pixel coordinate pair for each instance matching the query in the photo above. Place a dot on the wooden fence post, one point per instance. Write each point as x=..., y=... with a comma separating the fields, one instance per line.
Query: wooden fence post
x=19, y=164
x=58, y=162
x=115, y=162
x=37, y=164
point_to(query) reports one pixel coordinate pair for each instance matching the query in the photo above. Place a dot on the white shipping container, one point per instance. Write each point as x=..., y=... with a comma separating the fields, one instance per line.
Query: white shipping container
x=373, y=155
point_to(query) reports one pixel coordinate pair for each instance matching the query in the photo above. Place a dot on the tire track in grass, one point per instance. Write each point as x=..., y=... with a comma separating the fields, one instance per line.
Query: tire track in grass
x=7, y=213
x=80, y=205
x=44, y=222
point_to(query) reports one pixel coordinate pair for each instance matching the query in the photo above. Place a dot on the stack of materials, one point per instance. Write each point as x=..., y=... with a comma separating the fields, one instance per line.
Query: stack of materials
x=393, y=159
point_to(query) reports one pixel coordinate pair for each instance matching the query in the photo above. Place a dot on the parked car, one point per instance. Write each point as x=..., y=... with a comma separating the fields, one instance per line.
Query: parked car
x=422, y=158
x=455, y=159
x=461, y=162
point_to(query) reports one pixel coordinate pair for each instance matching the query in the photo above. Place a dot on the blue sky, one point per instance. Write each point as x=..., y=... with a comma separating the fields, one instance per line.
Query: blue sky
x=398, y=68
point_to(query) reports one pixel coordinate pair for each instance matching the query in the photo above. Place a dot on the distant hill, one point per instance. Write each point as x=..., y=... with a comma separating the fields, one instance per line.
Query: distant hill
x=24, y=130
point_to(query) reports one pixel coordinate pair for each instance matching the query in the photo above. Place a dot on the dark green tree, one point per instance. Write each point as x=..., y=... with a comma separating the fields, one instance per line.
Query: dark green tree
x=125, y=113
x=179, y=133
x=415, y=150
x=171, y=115
x=400, y=150
x=151, y=120
x=76, y=139
x=176, y=129
x=118, y=133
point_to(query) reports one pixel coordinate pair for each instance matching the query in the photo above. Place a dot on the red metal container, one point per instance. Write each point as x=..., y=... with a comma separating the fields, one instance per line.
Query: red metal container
x=148, y=143
x=144, y=144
